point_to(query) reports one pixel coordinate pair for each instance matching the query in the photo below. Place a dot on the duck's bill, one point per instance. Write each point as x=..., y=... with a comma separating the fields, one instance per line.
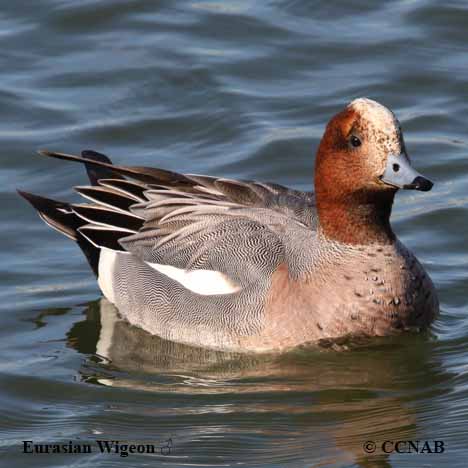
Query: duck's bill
x=400, y=174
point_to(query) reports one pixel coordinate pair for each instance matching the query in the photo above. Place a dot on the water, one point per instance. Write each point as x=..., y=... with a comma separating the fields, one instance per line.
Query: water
x=239, y=89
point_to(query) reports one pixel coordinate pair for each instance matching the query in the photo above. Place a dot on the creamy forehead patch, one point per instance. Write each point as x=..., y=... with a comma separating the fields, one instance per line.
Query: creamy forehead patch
x=374, y=112
x=379, y=125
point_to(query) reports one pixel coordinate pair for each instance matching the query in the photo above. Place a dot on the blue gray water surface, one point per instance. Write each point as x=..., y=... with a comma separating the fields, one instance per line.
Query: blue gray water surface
x=239, y=89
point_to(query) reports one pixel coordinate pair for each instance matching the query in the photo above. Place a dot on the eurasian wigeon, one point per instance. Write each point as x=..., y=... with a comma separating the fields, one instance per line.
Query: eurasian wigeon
x=251, y=266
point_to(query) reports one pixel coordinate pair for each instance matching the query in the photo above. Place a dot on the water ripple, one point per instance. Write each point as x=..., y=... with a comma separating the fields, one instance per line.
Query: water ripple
x=238, y=89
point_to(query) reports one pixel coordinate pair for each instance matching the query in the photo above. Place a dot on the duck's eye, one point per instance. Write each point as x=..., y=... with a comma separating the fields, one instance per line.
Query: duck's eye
x=355, y=141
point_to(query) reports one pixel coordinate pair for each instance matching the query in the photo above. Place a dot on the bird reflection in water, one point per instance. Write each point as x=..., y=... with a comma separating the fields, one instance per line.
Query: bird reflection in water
x=329, y=403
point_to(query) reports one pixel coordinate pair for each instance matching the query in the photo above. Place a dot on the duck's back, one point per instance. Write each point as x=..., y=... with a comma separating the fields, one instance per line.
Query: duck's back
x=187, y=257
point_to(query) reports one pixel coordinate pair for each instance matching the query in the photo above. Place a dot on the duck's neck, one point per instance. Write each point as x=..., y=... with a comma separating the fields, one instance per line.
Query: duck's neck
x=359, y=219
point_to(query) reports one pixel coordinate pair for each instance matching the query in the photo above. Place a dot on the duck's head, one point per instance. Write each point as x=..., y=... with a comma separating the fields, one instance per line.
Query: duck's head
x=362, y=160
x=363, y=150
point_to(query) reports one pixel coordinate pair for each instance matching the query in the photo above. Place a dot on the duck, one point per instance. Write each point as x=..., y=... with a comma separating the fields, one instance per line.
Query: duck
x=256, y=267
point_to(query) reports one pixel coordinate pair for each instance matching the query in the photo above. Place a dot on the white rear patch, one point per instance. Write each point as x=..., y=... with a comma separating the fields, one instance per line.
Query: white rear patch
x=106, y=267
x=205, y=282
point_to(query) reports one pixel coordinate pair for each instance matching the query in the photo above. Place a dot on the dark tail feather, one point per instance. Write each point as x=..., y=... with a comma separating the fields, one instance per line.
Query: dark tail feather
x=96, y=172
x=60, y=216
x=56, y=214
x=100, y=215
x=147, y=175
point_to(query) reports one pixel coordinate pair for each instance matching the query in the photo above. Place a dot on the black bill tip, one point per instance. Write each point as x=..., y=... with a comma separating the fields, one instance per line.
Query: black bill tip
x=420, y=183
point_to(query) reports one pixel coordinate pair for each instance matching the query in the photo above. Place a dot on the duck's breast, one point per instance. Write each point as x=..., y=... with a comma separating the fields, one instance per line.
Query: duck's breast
x=375, y=290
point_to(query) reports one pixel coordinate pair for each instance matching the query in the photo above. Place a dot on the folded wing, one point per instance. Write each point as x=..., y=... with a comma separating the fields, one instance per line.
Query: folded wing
x=197, y=230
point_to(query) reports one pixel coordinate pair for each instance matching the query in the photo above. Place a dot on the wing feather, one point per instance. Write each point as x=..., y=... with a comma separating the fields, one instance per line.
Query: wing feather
x=242, y=229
